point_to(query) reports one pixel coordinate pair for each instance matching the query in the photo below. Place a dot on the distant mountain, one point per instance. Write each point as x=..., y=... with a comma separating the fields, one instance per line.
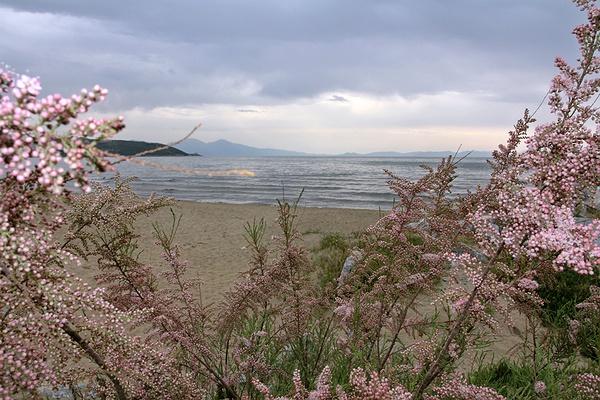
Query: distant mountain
x=226, y=148
x=424, y=154
x=133, y=147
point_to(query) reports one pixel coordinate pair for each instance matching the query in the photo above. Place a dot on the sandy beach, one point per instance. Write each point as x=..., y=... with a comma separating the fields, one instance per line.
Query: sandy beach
x=211, y=236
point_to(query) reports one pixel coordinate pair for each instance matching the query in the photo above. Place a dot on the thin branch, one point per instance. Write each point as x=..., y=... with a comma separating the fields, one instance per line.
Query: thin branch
x=120, y=158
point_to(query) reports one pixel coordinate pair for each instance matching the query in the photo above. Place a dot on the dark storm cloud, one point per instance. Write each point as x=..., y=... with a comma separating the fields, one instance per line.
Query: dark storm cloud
x=170, y=53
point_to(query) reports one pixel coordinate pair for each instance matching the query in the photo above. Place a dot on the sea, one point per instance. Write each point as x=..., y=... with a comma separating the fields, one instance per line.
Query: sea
x=344, y=182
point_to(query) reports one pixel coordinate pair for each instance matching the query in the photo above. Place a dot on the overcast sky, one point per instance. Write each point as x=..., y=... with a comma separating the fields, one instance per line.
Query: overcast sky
x=317, y=76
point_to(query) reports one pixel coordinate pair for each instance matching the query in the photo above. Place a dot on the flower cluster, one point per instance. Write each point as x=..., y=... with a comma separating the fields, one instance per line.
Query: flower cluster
x=524, y=219
x=456, y=388
x=362, y=387
x=530, y=204
x=32, y=146
x=588, y=385
x=481, y=257
x=56, y=330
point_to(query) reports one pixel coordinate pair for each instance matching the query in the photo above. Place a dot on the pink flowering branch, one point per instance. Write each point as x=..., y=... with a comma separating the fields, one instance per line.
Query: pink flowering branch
x=51, y=321
x=528, y=207
x=588, y=385
x=362, y=387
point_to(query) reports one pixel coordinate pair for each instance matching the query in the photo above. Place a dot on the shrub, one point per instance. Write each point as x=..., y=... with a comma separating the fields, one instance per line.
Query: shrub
x=276, y=331
x=329, y=257
x=520, y=381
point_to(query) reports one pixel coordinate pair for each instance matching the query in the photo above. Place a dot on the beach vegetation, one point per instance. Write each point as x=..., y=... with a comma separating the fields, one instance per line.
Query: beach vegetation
x=431, y=285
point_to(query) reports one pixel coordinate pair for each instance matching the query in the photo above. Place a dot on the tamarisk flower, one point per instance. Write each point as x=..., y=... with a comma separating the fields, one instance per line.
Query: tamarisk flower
x=101, y=226
x=539, y=387
x=588, y=385
x=530, y=203
x=32, y=146
x=456, y=387
x=277, y=293
x=403, y=259
x=362, y=387
x=524, y=217
x=55, y=329
x=591, y=305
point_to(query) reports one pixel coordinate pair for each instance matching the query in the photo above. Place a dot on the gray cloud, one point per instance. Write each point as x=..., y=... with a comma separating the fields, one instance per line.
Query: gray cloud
x=194, y=52
x=267, y=55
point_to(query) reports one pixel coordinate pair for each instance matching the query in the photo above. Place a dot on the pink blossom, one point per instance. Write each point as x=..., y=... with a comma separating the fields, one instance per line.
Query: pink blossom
x=539, y=387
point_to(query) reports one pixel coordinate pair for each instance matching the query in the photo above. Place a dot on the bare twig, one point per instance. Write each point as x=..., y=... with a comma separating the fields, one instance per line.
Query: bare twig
x=196, y=171
x=120, y=158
